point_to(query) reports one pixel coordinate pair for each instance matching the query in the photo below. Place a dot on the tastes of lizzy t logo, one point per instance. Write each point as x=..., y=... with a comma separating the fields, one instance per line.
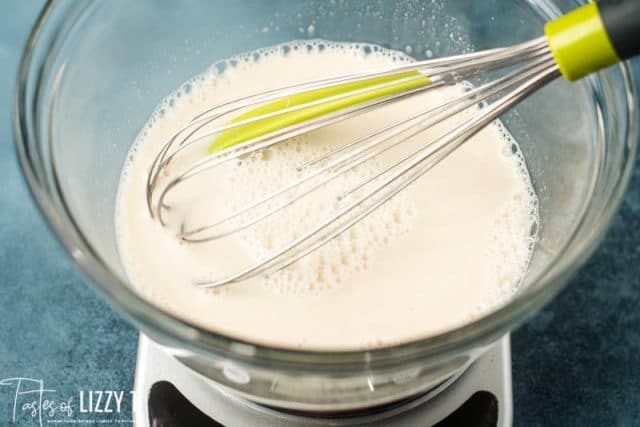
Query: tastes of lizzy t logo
x=31, y=401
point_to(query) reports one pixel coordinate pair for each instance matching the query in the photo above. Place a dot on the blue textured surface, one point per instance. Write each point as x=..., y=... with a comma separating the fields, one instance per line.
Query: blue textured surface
x=577, y=363
x=53, y=326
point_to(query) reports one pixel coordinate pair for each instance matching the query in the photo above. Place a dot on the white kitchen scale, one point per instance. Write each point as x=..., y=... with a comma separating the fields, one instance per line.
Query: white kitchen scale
x=168, y=394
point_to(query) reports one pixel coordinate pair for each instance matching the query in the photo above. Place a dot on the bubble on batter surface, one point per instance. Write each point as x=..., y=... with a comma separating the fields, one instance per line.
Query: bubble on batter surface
x=514, y=232
x=352, y=251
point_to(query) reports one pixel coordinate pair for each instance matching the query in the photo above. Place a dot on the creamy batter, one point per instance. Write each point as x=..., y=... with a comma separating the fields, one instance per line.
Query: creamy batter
x=450, y=248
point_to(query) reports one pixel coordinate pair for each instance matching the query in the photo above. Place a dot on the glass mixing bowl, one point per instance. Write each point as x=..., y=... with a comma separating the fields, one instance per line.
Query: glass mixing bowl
x=92, y=73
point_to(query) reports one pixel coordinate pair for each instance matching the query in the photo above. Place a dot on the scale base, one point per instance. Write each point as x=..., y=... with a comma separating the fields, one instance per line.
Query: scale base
x=169, y=394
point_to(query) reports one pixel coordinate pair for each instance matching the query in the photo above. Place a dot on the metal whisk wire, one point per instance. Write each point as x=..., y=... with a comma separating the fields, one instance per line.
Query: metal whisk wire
x=454, y=68
x=534, y=67
x=373, y=148
x=419, y=165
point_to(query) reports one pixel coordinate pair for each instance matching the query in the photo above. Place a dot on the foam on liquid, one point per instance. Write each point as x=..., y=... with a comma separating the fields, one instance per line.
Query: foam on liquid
x=451, y=247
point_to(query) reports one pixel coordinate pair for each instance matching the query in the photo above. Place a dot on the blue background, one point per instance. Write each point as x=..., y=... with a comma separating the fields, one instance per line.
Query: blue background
x=577, y=363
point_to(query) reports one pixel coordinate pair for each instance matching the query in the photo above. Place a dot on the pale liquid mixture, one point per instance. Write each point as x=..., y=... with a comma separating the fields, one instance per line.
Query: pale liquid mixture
x=450, y=248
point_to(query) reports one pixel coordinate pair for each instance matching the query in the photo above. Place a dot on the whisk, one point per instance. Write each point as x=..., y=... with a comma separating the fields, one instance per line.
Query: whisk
x=583, y=41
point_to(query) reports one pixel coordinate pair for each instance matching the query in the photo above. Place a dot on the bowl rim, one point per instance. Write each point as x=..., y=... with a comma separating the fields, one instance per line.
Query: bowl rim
x=180, y=333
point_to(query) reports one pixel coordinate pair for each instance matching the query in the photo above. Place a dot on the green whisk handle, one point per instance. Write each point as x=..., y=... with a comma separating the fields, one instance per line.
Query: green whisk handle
x=595, y=36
